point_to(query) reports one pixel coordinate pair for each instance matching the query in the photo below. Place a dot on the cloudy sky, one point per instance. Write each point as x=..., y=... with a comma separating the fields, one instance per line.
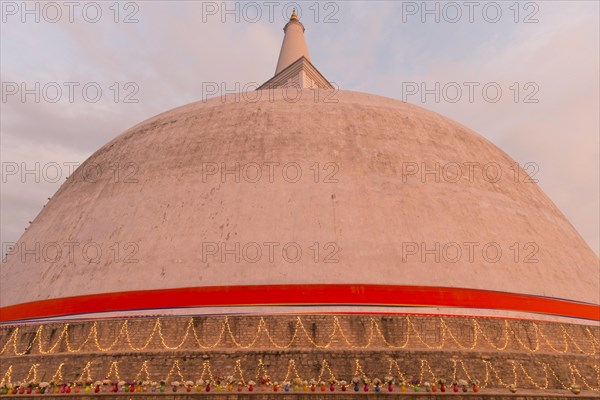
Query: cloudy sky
x=149, y=56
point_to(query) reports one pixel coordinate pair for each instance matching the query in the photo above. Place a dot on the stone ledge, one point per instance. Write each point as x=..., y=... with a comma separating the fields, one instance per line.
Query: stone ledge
x=491, y=395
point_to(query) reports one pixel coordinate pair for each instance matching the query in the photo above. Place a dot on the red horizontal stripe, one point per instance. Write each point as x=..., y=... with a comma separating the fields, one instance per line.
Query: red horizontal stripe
x=275, y=295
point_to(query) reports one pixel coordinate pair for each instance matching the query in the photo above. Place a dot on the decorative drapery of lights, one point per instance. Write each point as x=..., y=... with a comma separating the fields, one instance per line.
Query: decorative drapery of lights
x=483, y=371
x=588, y=344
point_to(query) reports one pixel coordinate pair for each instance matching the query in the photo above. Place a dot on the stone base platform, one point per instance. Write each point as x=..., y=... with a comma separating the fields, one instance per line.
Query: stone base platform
x=541, y=357
x=489, y=395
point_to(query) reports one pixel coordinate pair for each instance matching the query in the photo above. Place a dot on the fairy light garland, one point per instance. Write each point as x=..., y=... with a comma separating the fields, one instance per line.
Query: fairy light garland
x=81, y=346
x=275, y=344
x=260, y=368
x=175, y=368
x=574, y=370
x=530, y=379
x=486, y=380
x=39, y=332
x=183, y=340
x=325, y=366
x=113, y=369
x=592, y=337
x=58, y=375
x=32, y=369
x=7, y=378
x=549, y=343
x=238, y=369
x=488, y=368
x=393, y=363
x=206, y=347
x=314, y=343
x=529, y=349
x=113, y=344
x=421, y=371
x=335, y=337
x=143, y=370
x=13, y=339
x=358, y=370
x=555, y=375
x=206, y=371
x=572, y=339
x=264, y=329
x=337, y=327
x=389, y=344
x=490, y=372
x=490, y=342
x=301, y=333
x=291, y=368
x=424, y=343
x=235, y=342
x=446, y=328
x=148, y=340
x=454, y=372
x=466, y=372
x=86, y=371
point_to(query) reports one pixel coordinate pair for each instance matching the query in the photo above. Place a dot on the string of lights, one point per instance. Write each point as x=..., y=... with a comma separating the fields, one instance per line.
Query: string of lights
x=86, y=374
x=261, y=371
x=143, y=370
x=291, y=369
x=113, y=370
x=175, y=369
x=238, y=370
x=521, y=376
x=325, y=367
x=338, y=337
x=32, y=371
x=424, y=363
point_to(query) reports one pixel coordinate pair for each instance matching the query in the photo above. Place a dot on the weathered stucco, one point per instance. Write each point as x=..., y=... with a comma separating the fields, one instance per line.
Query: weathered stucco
x=176, y=205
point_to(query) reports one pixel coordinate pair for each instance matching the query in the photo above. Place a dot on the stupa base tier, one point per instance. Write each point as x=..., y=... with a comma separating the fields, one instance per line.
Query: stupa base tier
x=492, y=370
x=491, y=395
x=419, y=351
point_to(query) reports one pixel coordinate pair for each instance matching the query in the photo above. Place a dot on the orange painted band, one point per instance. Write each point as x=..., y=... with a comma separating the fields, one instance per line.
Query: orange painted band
x=299, y=295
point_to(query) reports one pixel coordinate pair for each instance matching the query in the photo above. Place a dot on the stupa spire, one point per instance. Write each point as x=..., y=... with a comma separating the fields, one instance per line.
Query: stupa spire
x=294, y=66
x=294, y=45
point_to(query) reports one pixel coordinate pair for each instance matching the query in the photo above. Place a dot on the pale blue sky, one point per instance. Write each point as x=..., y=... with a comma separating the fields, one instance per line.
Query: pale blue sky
x=374, y=47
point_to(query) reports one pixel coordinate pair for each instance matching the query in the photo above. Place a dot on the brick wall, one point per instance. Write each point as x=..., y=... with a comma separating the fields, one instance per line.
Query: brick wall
x=340, y=340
